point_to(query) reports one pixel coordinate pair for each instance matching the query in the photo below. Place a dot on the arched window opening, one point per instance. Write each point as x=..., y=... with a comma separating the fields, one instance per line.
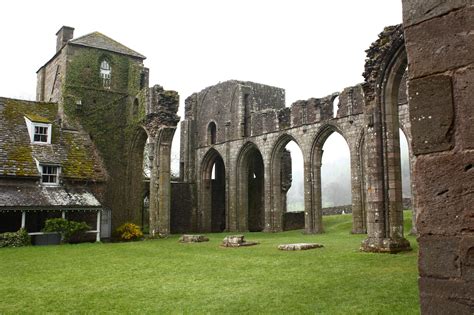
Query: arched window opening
x=213, y=173
x=211, y=133
x=254, y=197
x=217, y=191
x=405, y=167
x=146, y=213
x=292, y=177
x=336, y=175
x=335, y=106
x=147, y=158
x=135, y=108
x=105, y=73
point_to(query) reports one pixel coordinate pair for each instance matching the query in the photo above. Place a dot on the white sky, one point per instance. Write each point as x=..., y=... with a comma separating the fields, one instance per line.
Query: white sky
x=310, y=48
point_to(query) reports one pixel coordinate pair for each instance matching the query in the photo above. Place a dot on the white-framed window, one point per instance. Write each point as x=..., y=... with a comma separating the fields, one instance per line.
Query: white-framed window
x=50, y=174
x=39, y=132
x=105, y=73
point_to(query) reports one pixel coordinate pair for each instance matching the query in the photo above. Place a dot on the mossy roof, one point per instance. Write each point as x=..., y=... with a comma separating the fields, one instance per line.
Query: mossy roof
x=73, y=150
x=37, y=118
x=99, y=40
x=44, y=198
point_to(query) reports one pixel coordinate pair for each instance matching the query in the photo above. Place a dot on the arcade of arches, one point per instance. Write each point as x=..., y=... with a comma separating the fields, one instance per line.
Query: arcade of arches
x=235, y=166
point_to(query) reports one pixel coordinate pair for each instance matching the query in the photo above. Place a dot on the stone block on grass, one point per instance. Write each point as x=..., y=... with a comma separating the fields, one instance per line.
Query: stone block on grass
x=189, y=238
x=299, y=246
x=236, y=241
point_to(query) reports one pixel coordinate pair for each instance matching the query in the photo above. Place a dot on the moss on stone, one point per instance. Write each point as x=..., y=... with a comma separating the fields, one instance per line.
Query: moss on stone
x=37, y=118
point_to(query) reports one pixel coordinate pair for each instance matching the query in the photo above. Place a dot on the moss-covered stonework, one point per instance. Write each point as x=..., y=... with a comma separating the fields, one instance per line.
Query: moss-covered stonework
x=111, y=116
x=72, y=150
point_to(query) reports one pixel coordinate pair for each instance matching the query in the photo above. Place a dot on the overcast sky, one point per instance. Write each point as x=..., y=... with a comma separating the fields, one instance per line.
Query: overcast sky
x=310, y=48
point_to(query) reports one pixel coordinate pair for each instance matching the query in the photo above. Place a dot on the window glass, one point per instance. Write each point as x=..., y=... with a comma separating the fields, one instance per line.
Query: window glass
x=49, y=174
x=105, y=73
x=41, y=134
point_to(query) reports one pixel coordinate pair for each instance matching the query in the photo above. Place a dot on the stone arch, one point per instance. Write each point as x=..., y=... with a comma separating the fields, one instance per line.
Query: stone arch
x=211, y=132
x=387, y=62
x=212, y=193
x=250, y=174
x=135, y=176
x=315, y=222
x=274, y=217
x=160, y=180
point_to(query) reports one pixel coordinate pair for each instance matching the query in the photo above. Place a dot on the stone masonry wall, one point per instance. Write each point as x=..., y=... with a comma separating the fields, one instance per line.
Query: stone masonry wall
x=439, y=46
x=181, y=207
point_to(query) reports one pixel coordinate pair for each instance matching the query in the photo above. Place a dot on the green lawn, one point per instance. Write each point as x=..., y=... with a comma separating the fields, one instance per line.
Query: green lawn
x=164, y=276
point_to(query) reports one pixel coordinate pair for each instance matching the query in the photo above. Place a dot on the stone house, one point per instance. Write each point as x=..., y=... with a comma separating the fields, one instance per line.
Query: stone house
x=80, y=146
x=46, y=170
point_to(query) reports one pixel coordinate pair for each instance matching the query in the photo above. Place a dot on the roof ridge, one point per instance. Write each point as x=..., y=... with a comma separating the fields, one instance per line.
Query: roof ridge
x=23, y=100
x=121, y=48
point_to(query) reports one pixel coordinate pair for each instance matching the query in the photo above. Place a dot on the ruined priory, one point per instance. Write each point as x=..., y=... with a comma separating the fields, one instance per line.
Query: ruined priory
x=97, y=143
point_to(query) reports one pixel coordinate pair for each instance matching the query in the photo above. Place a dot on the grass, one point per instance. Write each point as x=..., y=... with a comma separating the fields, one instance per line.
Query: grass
x=164, y=276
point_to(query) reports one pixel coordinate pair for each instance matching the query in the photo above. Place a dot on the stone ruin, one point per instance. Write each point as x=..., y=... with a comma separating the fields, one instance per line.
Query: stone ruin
x=236, y=241
x=299, y=246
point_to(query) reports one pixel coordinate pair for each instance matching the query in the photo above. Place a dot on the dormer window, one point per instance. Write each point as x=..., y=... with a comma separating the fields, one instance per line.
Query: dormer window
x=105, y=73
x=50, y=174
x=40, y=132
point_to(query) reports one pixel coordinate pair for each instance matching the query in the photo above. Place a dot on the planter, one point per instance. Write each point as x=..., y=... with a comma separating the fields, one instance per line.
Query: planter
x=48, y=238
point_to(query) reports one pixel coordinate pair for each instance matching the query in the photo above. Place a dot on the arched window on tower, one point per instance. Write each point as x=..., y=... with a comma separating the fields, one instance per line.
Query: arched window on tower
x=105, y=73
x=211, y=133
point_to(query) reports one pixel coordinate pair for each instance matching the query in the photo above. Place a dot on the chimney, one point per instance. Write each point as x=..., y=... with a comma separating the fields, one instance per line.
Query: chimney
x=65, y=34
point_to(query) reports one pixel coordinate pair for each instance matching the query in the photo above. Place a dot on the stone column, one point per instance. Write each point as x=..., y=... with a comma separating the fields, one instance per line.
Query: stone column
x=383, y=73
x=268, y=183
x=316, y=217
x=358, y=220
x=160, y=185
x=161, y=124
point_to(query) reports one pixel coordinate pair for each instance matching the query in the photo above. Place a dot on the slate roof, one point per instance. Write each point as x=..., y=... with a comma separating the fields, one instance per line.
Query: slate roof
x=99, y=40
x=44, y=198
x=73, y=150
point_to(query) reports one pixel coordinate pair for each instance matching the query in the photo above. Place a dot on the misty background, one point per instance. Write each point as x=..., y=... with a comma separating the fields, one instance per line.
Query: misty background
x=309, y=48
x=336, y=173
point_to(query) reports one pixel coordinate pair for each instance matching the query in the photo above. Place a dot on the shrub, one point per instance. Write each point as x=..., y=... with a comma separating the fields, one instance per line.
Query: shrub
x=15, y=239
x=66, y=228
x=129, y=232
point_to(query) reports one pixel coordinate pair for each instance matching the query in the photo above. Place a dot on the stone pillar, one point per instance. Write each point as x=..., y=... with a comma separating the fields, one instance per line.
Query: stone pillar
x=375, y=188
x=160, y=185
x=268, y=183
x=161, y=124
x=229, y=184
x=358, y=220
x=441, y=90
x=315, y=220
x=383, y=73
x=308, y=199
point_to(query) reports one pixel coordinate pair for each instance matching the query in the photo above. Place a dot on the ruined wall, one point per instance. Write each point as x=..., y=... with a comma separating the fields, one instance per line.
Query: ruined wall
x=50, y=79
x=182, y=204
x=112, y=117
x=439, y=45
x=308, y=123
x=231, y=105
